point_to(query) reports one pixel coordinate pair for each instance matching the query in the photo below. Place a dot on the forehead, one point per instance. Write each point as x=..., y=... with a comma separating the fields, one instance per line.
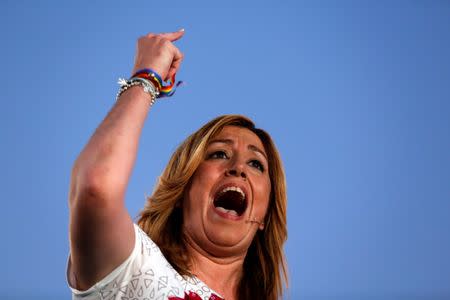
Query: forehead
x=239, y=134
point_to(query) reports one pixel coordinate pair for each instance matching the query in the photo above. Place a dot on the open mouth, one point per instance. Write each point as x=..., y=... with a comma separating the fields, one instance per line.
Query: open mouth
x=231, y=200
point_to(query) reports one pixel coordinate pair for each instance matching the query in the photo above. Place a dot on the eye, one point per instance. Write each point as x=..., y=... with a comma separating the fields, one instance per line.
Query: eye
x=257, y=164
x=218, y=155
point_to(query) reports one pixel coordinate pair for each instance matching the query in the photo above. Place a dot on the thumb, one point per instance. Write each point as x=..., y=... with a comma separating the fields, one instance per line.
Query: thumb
x=173, y=36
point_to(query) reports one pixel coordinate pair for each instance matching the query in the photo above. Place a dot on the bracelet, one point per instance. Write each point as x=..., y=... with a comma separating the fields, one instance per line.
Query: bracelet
x=151, y=75
x=148, y=86
x=165, y=90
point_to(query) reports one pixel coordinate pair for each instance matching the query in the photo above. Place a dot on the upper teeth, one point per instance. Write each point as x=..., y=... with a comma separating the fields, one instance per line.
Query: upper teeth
x=234, y=188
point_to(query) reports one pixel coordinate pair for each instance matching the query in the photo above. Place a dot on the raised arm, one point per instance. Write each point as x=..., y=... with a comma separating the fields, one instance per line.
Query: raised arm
x=101, y=230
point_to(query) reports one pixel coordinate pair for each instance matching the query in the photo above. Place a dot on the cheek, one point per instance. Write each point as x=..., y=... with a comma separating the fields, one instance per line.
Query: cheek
x=200, y=187
x=264, y=197
x=208, y=174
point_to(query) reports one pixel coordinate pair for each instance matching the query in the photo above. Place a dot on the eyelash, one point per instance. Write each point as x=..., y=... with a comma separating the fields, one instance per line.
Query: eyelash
x=254, y=163
x=213, y=155
x=259, y=165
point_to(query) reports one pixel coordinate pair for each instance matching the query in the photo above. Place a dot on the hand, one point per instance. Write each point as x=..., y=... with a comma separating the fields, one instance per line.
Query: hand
x=157, y=52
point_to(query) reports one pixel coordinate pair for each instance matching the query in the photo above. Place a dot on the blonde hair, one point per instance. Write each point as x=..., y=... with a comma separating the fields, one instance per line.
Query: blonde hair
x=264, y=270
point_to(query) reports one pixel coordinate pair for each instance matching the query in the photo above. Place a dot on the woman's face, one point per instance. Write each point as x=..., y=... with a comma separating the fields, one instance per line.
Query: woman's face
x=228, y=197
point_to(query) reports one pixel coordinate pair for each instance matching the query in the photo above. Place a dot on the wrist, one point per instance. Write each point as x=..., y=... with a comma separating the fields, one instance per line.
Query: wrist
x=135, y=94
x=144, y=85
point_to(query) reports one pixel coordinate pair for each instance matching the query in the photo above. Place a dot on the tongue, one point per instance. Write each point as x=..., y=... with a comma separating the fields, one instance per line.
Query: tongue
x=227, y=211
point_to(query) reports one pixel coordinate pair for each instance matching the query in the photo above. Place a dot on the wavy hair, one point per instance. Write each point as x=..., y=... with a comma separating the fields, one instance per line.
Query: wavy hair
x=265, y=269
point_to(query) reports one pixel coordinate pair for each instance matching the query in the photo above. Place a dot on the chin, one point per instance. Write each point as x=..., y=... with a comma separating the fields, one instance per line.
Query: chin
x=229, y=239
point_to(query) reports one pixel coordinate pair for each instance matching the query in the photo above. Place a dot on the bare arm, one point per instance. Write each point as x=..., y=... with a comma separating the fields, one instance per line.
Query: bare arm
x=101, y=230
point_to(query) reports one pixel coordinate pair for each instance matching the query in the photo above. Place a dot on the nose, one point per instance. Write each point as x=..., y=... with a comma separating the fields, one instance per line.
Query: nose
x=237, y=171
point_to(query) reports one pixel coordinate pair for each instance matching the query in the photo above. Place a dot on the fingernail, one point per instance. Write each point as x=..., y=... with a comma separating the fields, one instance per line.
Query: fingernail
x=182, y=29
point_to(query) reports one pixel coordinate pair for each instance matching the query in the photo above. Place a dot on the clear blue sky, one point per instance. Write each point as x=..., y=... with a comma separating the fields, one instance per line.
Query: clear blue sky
x=355, y=93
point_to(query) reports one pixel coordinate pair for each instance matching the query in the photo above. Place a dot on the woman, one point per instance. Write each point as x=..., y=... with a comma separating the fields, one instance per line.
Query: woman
x=215, y=225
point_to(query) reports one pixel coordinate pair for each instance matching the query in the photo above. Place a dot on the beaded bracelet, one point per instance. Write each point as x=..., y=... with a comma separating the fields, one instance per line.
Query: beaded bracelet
x=149, y=87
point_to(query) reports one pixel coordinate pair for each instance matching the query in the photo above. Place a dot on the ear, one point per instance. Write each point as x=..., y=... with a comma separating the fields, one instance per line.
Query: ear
x=261, y=226
x=179, y=203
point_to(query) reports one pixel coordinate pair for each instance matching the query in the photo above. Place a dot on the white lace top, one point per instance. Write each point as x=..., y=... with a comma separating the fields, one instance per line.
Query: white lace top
x=146, y=275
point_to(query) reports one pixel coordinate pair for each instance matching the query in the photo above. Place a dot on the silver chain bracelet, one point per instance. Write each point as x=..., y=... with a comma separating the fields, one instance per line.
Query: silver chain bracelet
x=148, y=86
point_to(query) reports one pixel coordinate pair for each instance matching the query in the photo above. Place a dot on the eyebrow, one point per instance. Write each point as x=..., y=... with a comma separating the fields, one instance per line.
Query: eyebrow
x=231, y=142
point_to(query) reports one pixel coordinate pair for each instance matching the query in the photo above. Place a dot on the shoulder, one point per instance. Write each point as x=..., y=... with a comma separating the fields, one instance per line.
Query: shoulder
x=146, y=273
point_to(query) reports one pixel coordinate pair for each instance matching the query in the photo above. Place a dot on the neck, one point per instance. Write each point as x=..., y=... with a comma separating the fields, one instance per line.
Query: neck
x=222, y=274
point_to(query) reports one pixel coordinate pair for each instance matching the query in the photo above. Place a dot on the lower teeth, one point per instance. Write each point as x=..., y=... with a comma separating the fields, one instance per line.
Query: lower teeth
x=231, y=212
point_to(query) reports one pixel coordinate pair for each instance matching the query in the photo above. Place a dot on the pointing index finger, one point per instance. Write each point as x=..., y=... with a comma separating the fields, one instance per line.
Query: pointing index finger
x=173, y=36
